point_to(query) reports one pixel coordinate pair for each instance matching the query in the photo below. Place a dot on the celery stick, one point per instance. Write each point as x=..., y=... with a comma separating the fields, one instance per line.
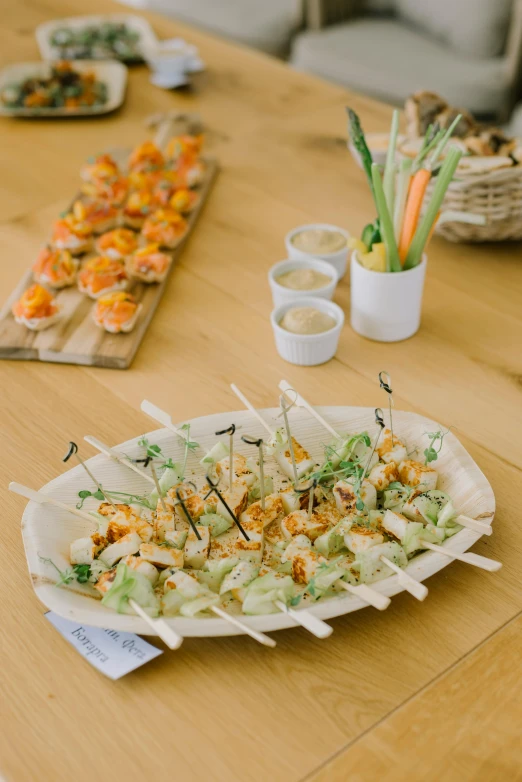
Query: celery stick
x=393, y=263
x=389, y=168
x=423, y=229
x=403, y=181
x=444, y=140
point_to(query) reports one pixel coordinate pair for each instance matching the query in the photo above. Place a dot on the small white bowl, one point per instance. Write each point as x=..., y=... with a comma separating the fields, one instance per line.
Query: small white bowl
x=280, y=294
x=307, y=350
x=339, y=259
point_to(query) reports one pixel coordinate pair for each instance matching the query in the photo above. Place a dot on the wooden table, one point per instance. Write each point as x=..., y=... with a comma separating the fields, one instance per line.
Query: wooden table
x=422, y=692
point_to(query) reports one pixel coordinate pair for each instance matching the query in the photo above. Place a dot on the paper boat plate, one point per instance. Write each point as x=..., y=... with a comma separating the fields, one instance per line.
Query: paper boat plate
x=47, y=531
x=138, y=24
x=110, y=72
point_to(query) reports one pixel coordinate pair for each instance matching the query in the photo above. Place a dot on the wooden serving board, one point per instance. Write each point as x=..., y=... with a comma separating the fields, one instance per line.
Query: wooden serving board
x=75, y=338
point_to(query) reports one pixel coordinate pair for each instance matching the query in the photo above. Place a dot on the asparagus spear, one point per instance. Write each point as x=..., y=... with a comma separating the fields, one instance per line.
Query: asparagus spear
x=359, y=142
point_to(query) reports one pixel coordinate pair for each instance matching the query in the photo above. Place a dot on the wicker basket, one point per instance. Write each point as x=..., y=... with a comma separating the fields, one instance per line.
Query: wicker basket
x=497, y=196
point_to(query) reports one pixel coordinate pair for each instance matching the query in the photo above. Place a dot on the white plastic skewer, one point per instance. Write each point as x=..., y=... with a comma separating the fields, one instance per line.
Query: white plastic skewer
x=257, y=636
x=479, y=526
x=160, y=627
x=409, y=583
x=469, y=558
x=161, y=417
x=307, y=620
x=44, y=499
x=370, y=596
x=251, y=407
x=111, y=453
x=300, y=402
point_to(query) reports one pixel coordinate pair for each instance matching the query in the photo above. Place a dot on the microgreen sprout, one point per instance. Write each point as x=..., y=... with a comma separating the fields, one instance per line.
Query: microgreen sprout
x=79, y=573
x=431, y=453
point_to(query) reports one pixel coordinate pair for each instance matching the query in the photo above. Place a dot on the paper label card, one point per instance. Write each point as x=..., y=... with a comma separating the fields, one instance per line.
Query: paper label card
x=110, y=651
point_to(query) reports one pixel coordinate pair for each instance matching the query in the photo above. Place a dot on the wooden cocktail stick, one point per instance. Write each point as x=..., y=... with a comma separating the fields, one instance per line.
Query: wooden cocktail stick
x=301, y=402
x=409, y=583
x=250, y=406
x=306, y=619
x=44, y=499
x=161, y=628
x=118, y=457
x=468, y=557
x=73, y=451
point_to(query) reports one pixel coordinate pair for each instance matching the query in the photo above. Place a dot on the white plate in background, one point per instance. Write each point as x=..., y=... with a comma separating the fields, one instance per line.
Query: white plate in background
x=111, y=72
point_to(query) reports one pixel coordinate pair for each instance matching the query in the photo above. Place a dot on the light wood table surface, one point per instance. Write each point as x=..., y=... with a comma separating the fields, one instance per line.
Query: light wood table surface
x=426, y=691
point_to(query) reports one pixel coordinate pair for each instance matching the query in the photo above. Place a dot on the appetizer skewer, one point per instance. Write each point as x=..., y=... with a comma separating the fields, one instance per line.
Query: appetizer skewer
x=43, y=499
x=300, y=401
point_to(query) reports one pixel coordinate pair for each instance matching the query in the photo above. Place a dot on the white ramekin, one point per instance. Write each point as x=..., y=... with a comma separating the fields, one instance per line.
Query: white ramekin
x=280, y=294
x=339, y=259
x=386, y=306
x=307, y=350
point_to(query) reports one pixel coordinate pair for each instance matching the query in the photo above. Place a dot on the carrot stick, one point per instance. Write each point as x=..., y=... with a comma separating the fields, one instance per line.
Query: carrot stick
x=418, y=185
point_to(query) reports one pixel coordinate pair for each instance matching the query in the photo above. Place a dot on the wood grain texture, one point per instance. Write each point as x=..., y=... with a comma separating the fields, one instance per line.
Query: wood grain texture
x=225, y=709
x=456, y=729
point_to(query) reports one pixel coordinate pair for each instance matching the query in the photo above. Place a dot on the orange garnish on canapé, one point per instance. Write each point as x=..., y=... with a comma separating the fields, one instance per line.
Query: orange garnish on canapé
x=36, y=302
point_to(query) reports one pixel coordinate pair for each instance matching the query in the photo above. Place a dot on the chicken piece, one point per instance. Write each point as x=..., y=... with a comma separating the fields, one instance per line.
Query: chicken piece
x=382, y=475
x=84, y=550
x=128, y=544
x=254, y=520
x=304, y=565
x=195, y=552
x=164, y=522
x=161, y=556
x=104, y=582
x=361, y=538
x=237, y=500
x=303, y=460
x=298, y=523
x=395, y=525
x=413, y=473
x=146, y=569
x=346, y=498
x=293, y=500
x=125, y=521
x=240, y=470
x=391, y=452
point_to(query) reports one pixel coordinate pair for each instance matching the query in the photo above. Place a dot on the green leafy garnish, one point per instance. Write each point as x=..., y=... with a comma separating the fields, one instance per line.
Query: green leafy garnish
x=80, y=573
x=431, y=453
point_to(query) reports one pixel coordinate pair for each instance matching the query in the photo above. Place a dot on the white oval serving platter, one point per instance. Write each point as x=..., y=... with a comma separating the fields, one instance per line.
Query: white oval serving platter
x=48, y=531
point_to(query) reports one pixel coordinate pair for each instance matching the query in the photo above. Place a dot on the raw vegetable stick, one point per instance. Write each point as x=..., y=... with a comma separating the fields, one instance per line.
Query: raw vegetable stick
x=419, y=184
x=389, y=168
x=358, y=140
x=421, y=235
x=392, y=257
x=403, y=182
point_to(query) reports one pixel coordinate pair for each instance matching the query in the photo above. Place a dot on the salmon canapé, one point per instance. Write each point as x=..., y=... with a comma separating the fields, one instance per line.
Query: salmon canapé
x=148, y=264
x=102, y=275
x=117, y=244
x=116, y=312
x=56, y=268
x=165, y=227
x=37, y=308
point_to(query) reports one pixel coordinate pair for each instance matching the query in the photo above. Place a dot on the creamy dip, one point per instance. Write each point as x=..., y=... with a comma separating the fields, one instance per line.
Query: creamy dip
x=307, y=320
x=319, y=241
x=303, y=280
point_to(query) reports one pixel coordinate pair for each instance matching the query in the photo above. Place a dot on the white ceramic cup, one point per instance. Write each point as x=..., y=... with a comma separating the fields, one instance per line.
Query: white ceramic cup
x=307, y=350
x=339, y=259
x=280, y=294
x=386, y=306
